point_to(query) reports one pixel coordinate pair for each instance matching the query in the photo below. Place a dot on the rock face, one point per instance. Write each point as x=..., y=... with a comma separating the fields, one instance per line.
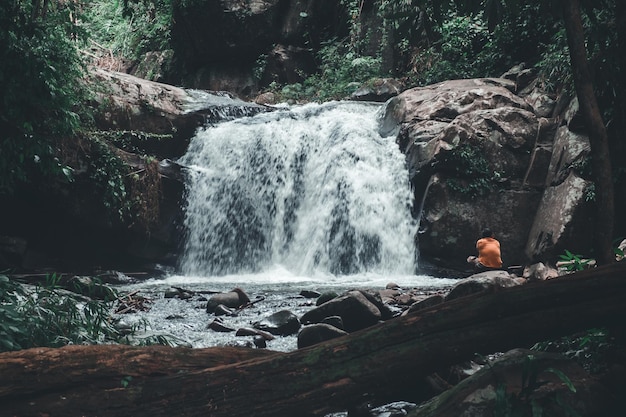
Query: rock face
x=126, y=102
x=481, y=155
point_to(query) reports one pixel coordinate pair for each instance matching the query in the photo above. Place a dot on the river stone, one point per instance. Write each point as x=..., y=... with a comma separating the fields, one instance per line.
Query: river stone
x=218, y=326
x=282, y=323
x=482, y=282
x=316, y=333
x=354, y=308
x=246, y=331
x=326, y=296
x=335, y=321
x=232, y=299
x=433, y=300
x=310, y=294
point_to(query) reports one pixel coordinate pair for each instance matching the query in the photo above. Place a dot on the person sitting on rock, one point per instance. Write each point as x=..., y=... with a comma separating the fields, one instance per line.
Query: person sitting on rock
x=489, y=257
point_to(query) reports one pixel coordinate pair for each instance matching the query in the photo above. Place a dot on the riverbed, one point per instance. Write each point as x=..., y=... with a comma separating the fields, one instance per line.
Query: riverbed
x=185, y=321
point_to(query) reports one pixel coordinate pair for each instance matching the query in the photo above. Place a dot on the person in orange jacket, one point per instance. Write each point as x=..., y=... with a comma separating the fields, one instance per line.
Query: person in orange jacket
x=489, y=256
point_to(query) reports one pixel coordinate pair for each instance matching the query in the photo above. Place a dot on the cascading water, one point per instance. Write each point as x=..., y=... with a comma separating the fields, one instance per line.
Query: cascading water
x=314, y=189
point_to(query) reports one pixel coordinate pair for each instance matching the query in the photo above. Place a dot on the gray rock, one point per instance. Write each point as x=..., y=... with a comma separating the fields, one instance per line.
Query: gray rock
x=281, y=323
x=482, y=282
x=354, y=308
x=334, y=321
x=232, y=299
x=433, y=300
x=563, y=220
x=246, y=331
x=326, y=296
x=316, y=333
x=381, y=90
x=539, y=272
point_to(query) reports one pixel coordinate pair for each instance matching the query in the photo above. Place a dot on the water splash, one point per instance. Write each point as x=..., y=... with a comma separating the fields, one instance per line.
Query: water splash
x=313, y=189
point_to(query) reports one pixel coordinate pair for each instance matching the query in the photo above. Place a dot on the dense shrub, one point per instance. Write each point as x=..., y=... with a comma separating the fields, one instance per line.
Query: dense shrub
x=40, y=73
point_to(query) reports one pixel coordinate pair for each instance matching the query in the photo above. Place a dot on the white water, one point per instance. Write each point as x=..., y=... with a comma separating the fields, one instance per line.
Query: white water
x=313, y=191
x=304, y=198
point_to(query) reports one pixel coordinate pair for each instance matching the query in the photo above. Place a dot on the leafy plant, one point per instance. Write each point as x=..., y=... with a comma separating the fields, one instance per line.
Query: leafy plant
x=47, y=316
x=130, y=28
x=572, y=262
x=518, y=403
x=40, y=79
x=473, y=174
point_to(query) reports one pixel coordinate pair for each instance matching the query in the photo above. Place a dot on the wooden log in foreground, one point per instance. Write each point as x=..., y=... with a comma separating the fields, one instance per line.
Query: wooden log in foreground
x=93, y=380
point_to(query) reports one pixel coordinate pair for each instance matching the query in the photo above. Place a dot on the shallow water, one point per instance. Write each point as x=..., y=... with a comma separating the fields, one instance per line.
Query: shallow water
x=187, y=320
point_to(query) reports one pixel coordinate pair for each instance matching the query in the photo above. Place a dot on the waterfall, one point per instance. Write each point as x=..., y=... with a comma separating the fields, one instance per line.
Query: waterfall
x=313, y=189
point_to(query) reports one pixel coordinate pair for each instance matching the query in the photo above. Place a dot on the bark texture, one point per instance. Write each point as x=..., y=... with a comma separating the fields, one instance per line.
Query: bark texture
x=372, y=364
x=598, y=139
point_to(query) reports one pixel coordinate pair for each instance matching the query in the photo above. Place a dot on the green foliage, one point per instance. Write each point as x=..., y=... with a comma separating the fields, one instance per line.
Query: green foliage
x=470, y=45
x=554, y=65
x=40, y=80
x=48, y=316
x=462, y=40
x=589, y=348
x=130, y=28
x=342, y=71
x=573, y=262
x=473, y=175
x=108, y=173
x=522, y=403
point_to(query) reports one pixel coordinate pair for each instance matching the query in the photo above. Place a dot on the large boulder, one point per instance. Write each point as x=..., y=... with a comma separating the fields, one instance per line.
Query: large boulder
x=563, y=220
x=356, y=310
x=479, y=155
x=128, y=103
x=451, y=222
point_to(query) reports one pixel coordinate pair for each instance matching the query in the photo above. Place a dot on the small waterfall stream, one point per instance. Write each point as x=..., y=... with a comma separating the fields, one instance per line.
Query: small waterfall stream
x=312, y=189
x=311, y=197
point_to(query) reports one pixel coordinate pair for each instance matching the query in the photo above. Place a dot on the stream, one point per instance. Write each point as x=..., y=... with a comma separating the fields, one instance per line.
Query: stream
x=310, y=197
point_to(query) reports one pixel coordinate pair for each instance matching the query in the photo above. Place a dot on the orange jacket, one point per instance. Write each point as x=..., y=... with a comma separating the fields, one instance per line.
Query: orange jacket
x=489, y=252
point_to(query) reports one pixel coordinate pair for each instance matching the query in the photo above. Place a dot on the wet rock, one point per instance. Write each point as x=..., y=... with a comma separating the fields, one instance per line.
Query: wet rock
x=282, y=323
x=326, y=296
x=178, y=293
x=246, y=331
x=218, y=326
x=90, y=287
x=380, y=90
x=260, y=342
x=310, y=294
x=539, y=272
x=316, y=333
x=482, y=282
x=222, y=310
x=354, y=308
x=232, y=299
x=334, y=321
x=433, y=300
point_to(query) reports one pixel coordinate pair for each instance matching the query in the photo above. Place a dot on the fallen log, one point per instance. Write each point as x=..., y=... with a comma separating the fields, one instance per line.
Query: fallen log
x=93, y=380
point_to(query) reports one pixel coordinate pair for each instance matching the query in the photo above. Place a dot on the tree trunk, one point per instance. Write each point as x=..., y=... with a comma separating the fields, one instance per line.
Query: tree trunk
x=600, y=156
x=373, y=364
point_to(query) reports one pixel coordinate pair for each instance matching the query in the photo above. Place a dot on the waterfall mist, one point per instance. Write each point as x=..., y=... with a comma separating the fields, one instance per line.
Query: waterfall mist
x=314, y=189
